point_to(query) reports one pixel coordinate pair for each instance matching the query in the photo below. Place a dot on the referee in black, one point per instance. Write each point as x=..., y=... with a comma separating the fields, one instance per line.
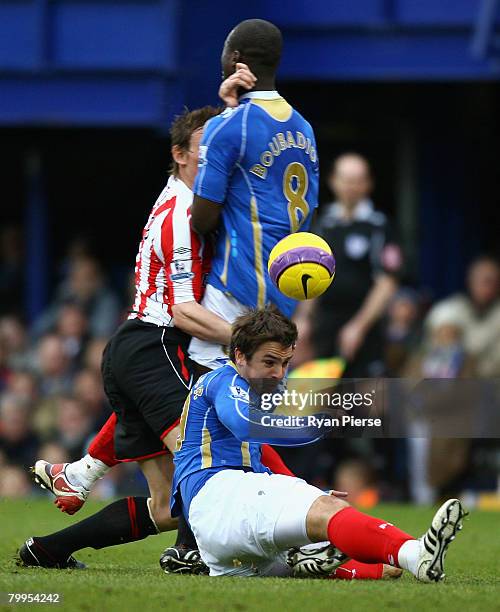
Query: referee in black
x=346, y=320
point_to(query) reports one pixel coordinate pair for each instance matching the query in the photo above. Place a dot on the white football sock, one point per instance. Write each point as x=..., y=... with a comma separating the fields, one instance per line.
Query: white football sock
x=86, y=471
x=409, y=554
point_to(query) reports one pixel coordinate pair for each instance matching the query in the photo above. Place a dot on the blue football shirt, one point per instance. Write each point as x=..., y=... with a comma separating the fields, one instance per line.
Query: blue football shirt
x=221, y=427
x=259, y=162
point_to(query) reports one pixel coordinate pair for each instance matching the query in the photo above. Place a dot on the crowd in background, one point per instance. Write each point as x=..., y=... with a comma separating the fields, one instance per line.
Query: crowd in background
x=52, y=400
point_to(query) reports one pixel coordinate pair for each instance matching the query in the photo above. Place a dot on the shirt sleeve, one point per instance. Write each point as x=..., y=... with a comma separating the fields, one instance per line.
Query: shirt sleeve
x=249, y=424
x=387, y=255
x=220, y=149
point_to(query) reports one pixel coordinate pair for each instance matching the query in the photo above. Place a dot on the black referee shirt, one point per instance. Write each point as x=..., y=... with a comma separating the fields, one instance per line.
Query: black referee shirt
x=364, y=246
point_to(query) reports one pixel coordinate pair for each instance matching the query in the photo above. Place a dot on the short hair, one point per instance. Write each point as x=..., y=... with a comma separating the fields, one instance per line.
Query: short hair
x=183, y=127
x=254, y=328
x=259, y=42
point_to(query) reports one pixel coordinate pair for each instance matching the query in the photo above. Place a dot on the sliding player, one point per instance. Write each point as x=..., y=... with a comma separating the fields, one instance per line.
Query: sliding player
x=245, y=519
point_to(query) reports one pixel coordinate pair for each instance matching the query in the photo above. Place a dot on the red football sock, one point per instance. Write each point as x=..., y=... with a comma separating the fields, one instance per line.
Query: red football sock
x=271, y=459
x=354, y=570
x=365, y=538
x=102, y=446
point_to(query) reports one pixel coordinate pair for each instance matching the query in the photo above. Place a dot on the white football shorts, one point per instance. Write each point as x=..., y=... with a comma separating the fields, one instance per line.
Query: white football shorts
x=234, y=518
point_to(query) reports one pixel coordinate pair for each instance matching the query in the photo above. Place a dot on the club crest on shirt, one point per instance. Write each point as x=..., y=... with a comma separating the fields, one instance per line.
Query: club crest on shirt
x=239, y=393
x=198, y=392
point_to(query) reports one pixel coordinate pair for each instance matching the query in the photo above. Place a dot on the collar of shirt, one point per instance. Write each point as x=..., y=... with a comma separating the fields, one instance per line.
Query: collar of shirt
x=179, y=185
x=364, y=209
x=260, y=95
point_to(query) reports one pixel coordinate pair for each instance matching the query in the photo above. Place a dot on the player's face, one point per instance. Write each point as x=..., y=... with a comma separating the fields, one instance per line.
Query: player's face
x=188, y=160
x=269, y=362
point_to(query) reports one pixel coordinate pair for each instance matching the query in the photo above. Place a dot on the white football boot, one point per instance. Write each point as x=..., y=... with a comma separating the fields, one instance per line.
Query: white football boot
x=447, y=521
x=315, y=560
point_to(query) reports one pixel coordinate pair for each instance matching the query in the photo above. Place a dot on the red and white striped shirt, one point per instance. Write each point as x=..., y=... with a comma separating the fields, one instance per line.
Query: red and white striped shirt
x=173, y=260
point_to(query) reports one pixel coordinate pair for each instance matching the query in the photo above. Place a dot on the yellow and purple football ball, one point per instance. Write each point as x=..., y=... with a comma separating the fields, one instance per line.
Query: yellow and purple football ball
x=302, y=266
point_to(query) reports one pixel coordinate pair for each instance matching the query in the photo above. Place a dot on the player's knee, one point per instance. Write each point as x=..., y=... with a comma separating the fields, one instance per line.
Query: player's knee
x=319, y=516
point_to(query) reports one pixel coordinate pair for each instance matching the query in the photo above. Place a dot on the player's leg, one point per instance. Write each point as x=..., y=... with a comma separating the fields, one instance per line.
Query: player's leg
x=71, y=482
x=371, y=540
x=355, y=570
x=272, y=460
x=126, y=520
x=184, y=557
x=158, y=472
x=160, y=401
x=253, y=517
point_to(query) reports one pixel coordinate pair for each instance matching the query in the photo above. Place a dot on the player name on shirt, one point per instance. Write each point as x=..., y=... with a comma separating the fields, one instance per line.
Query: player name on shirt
x=280, y=142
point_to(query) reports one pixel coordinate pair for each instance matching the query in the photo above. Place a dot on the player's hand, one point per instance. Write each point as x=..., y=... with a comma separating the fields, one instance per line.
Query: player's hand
x=351, y=337
x=242, y=77
x=338, y=493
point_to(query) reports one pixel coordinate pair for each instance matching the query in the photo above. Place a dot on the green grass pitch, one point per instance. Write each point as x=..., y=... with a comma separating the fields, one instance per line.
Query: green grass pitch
x=128, y=577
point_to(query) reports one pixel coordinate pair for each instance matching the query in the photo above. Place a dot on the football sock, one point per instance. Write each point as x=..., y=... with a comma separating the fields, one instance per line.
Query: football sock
x=86, y=471
x=125, y=520
x=272, y=460
x=354, y=570
x=98, y=461
x=409, y=554
x=365, y=538
x=185, y=537
x=103, y=444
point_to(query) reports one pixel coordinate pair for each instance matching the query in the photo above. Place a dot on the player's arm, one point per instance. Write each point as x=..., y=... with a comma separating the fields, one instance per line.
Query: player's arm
x=220, y=150
x=205, y=215
x=242, y=78
x=197, y=321
x=178, y=251
x=234, y=412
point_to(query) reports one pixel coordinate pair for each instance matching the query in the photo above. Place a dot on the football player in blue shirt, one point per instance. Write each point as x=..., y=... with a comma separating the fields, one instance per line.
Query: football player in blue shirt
x=257, y=182
x=245, y=518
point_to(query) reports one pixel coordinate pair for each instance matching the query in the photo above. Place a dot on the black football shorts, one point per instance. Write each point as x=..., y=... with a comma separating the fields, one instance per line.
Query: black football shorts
x=147, y=376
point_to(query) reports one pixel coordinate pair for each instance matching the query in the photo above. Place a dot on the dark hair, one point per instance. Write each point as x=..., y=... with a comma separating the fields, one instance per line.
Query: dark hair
x=254, y=328
x=259, y=43
x=183, y=127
